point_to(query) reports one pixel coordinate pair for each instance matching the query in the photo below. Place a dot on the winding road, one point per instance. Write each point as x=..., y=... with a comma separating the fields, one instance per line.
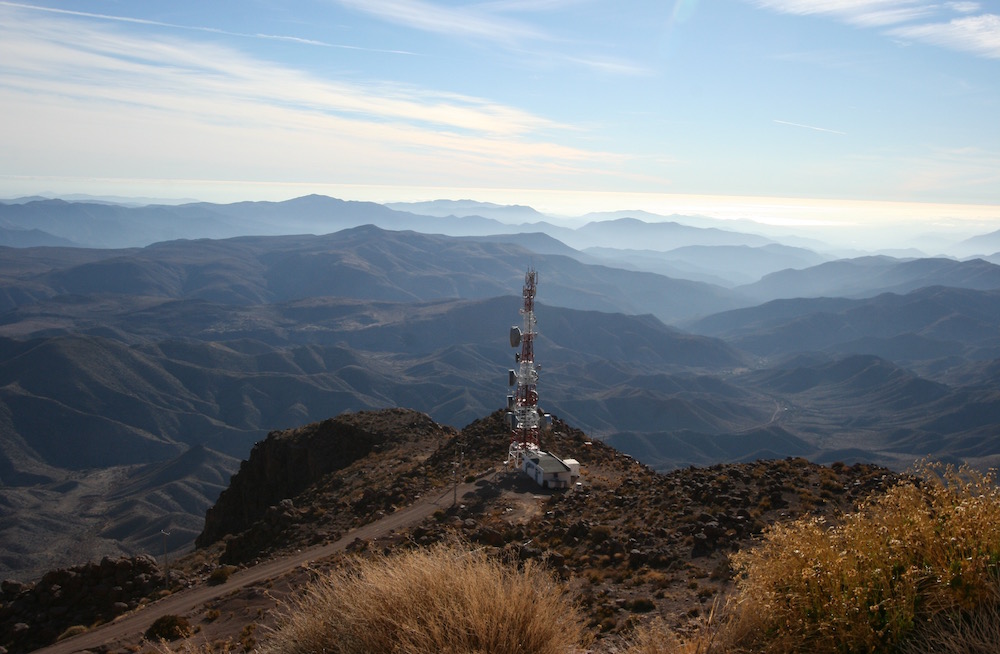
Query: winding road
x=129, y=627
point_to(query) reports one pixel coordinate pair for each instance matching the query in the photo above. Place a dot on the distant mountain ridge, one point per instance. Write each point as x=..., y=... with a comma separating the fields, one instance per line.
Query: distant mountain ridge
x=96, y=224
x=727, y=265
x=469, y=208
x=364, y=262
x=868, y=276
x=963, y=321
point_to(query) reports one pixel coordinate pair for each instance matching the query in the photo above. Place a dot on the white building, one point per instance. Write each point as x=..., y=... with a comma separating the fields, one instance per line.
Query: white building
x=549, y=471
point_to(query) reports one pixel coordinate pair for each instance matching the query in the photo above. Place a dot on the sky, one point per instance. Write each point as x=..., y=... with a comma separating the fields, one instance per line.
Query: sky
x=846, y=113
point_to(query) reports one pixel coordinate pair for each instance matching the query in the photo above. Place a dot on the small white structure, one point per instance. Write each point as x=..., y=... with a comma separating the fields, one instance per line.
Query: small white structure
x=549, y=471
x=574, y=468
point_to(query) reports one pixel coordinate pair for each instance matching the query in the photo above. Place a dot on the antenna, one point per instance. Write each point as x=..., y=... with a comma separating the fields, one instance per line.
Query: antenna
x=523, y=417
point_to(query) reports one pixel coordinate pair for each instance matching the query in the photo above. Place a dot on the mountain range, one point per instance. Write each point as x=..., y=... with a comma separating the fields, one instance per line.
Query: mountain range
x=135, y=375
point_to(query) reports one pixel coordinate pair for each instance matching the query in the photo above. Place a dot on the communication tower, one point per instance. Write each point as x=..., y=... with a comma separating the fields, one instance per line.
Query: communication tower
x=523, y=416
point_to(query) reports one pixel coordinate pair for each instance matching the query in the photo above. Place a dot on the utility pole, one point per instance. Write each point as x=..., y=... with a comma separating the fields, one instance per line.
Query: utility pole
x=455, y=469
x=166, y=564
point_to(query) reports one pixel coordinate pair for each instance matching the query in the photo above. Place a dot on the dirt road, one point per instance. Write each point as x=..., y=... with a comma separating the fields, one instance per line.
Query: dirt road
x=129, y=627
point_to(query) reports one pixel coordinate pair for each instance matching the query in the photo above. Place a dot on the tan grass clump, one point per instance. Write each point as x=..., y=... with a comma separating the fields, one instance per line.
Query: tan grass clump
x=656, y=637
x=440, y=599
x=924, y=554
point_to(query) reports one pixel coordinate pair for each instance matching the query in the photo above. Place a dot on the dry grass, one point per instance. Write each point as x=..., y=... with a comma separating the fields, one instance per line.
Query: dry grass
x=920, y=557
x=441, y=599
x=656, y=637
x=975, y=631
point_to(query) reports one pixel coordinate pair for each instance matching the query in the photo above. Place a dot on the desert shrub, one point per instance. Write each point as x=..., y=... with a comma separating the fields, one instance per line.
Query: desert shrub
x=169, y=627
x=925, y=552
x=75, y=630
x=221, y=574
x=652, y=638
x=656, y=637
x=203, y=647
x=440, y=599
x=640, y=605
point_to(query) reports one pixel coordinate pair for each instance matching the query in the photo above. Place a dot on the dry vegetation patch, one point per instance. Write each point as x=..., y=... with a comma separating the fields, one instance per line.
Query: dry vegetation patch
x=440, y=599
x=914, y=570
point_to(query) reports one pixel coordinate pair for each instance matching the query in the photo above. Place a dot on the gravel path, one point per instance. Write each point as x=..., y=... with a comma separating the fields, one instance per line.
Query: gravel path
x=128, y=628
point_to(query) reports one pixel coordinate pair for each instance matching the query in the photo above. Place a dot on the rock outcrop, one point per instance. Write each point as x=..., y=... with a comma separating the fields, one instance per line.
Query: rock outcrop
x=288, y=462
x=34, y=615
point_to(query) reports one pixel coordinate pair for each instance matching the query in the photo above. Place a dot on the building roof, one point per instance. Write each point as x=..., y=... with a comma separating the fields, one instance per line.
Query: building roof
x=548, y=462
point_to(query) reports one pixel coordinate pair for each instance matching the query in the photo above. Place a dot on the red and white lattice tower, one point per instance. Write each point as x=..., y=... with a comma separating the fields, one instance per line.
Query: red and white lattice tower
x=524, y=417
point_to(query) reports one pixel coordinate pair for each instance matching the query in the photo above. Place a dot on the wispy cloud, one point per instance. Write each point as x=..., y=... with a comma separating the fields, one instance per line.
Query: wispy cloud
x=979, y=35
x=491, y=22
x=73, y=88
x=812, y=127
x=196, y=28
x=856, y=12
x=467, y=21
x=956, y=25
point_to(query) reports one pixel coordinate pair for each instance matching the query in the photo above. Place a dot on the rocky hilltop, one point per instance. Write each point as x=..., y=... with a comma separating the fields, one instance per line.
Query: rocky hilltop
x=628, y=542
x=288, y=462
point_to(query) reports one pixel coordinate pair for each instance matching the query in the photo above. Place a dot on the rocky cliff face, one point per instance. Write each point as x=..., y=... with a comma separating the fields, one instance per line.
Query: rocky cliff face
x=287, y=462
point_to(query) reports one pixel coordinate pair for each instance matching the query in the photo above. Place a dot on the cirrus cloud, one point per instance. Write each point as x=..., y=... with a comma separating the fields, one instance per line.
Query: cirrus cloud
x=959, y=25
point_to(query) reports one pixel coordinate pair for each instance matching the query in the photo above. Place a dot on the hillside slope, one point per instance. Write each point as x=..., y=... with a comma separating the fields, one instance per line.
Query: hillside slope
x=628, y=542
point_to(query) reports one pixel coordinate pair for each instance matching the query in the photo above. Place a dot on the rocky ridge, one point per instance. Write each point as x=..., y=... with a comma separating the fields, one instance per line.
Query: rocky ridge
x=629, y=542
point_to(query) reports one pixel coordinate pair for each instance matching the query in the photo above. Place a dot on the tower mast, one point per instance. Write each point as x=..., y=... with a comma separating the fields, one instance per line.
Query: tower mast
x=523, y=416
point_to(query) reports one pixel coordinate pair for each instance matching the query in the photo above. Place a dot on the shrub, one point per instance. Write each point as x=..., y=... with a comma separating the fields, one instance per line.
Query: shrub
x=656, y=637
x=221, y=574
x=75, y=630
x=926, y=552
x=640, y=605
x=169, y=627
x=440, y=599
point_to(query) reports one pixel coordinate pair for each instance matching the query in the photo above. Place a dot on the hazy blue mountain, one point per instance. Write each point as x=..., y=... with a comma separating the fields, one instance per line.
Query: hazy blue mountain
x=630, y=233
x=983, y=244
x=27, y=238
x=319, y=214
x=363, y=263
x=96, y=223
x=728, y=265
x=107, y=225
x=928, y=324
x=839, y=278
x=23, y=199
x=656, y=262
x=511, y=214
x=92, y=224
x=537, y=242
x=868, y=276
